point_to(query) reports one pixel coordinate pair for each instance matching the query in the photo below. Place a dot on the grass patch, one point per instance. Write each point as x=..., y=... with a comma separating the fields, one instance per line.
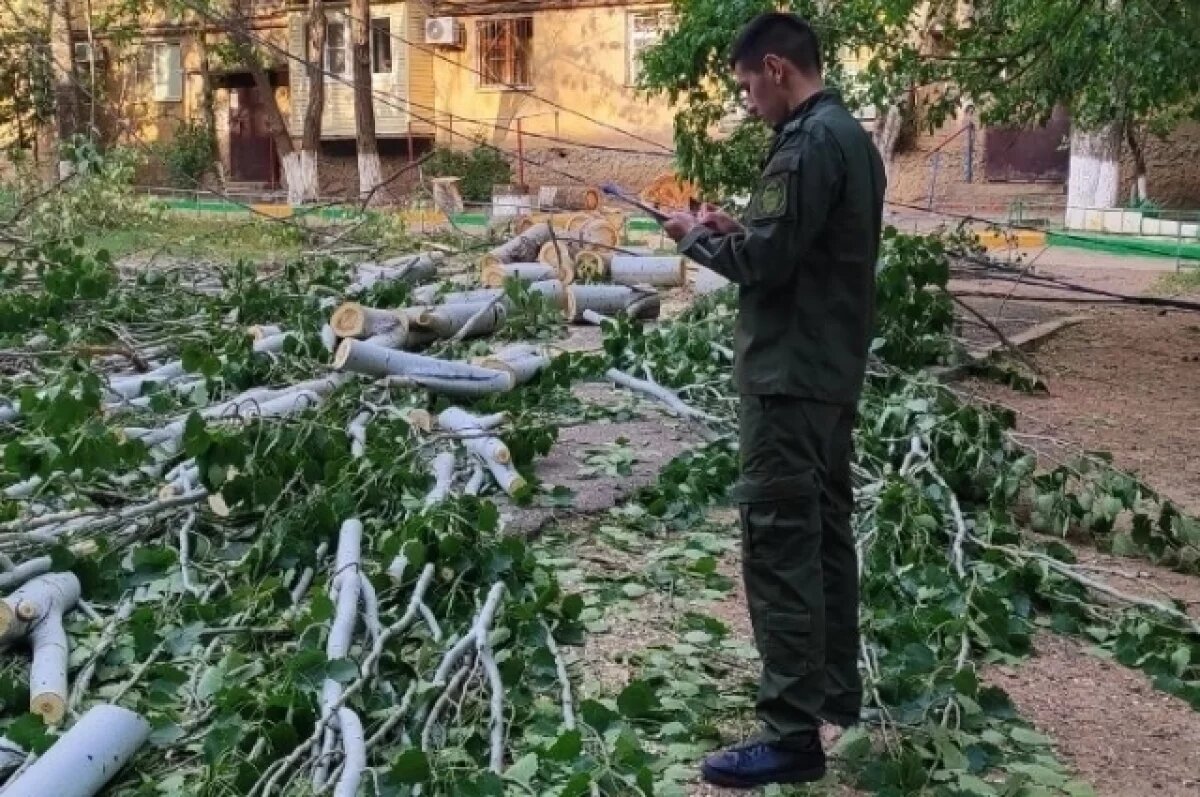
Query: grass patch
x=1186, y=280
x=209, y=239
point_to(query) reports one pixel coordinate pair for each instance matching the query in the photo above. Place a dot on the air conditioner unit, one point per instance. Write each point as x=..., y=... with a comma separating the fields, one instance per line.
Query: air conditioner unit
x=443, y=31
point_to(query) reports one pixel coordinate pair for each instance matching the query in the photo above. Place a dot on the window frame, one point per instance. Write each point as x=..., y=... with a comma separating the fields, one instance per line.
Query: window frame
x=633, y=49
x=344, y=50
x=386, y=34
x=484, y=76
x=166, y=81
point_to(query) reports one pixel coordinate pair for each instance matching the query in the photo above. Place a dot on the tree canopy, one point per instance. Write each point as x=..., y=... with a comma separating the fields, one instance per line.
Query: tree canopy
x=1127, y=62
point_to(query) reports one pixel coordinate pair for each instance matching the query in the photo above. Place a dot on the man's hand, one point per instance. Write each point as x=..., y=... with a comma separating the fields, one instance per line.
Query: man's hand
x=718, y=220
x=678, y=225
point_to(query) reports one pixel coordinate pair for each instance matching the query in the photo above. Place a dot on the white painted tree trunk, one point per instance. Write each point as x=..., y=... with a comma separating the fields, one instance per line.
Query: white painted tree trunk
x=307, y=186
x=86, y=757
x=1095, y=176
x=370, y=175
x=887, y=133
x=293, y=176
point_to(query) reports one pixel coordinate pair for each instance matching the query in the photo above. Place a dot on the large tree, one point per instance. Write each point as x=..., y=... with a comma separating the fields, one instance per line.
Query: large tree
x=308, y=185
x=1120, y=67
x=370, y=175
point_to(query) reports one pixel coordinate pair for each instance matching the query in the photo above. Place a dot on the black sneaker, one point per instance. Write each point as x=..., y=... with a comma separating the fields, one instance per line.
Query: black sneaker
x=760, y=763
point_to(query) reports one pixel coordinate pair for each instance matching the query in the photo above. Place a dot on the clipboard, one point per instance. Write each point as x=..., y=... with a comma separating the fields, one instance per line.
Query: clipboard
x=611, y=189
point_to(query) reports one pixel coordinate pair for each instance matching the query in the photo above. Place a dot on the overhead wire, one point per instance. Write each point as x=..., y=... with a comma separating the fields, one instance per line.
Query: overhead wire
x=381, y=97
x=519, y=88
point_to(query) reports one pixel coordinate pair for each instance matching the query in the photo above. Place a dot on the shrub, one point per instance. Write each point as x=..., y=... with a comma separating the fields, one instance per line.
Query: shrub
x=189, y=155
x=480, y=169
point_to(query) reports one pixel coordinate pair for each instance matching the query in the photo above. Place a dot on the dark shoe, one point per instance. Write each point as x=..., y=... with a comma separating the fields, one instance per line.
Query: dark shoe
x=760, y=763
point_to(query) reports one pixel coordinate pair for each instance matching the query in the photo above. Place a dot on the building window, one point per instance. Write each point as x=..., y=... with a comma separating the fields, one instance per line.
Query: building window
x=381, y=46
x=168, y=73
x=646, y=28
x=335, y=48
x=505, y=52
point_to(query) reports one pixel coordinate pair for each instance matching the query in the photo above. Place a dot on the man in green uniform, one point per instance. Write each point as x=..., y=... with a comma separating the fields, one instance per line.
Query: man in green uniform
x=804, y=261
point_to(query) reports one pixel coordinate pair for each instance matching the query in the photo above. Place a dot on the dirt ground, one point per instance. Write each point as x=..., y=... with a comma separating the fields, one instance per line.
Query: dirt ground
x=1120, y=379
x=1123, y=379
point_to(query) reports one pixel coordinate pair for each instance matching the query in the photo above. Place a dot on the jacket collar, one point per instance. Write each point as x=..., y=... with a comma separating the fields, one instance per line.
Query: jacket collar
x=803, y=109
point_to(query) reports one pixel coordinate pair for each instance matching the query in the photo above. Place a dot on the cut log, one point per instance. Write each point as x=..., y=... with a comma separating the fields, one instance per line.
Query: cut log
x=591, y=266
x=405, y=270
x=667, y=272
x=523, y=248
x=634, y=301
x=491, y=450
x=260, y=331
x=352, y=320
x=24, y=572
x=523, y=365
x=36, y=610
x=443, y=475
x=495, y=275
x=361, y=357
x=568, y=197
x=131, y=386
x=446, y=320
x=86, y=758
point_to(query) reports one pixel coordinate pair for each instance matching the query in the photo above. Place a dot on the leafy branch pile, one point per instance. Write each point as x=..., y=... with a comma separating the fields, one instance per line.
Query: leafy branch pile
x=948, y=580
x=276, y=569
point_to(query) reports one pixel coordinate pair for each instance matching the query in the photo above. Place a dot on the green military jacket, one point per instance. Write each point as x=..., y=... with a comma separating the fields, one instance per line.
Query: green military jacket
x=805, y=260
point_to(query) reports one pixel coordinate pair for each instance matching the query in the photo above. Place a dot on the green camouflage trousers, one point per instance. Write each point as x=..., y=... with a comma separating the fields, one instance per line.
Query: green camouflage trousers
x=799, y=561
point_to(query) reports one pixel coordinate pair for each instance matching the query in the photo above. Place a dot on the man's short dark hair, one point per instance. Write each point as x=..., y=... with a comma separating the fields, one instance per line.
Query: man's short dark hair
x=774, y=33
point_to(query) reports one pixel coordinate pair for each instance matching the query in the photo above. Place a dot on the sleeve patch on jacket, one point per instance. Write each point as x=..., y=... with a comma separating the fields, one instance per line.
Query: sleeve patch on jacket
x=771, y=202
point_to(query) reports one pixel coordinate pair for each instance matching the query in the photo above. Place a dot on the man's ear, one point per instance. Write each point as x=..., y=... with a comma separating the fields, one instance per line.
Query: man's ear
x=773, y=65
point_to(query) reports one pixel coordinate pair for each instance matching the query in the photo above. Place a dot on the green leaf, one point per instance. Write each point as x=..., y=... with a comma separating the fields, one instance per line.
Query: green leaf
x=411, y=766
x=634, y=590
x=636, y=700
x=975, y=786
x=597, y=715
x=1027, y=737
x=523, y=769
x=320, y=607
x=966, y=682
x=567, y=747
x=166, y=735
x=341, y=670
x=30, y=733
x=572, y=606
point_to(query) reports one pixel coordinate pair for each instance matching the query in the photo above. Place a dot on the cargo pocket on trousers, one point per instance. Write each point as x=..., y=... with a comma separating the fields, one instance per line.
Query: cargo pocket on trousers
x=787, y=643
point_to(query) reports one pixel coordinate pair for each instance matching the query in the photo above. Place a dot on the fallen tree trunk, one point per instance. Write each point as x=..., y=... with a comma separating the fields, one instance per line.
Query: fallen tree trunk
x=443, y=475
x=522, y=248
x=87, y=757
x=36, y=611
x=666, y=272
x=553, y=289
x=352, y=320
x=523, y=365
x=593, y=264
x=491, y=450
x=404, y=368
x=636, y=302
x=445, y=321
x=568, y=197
x=345, y=589
x=495, y=274
x=406, y=269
